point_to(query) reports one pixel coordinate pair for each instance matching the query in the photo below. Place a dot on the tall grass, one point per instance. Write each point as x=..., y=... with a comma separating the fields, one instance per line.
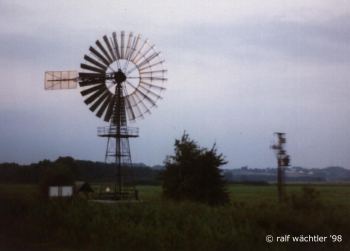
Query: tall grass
x=156, y=224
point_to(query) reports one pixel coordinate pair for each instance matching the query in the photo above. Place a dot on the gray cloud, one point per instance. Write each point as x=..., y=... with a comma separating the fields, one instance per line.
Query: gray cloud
x=270, y=39
x=38, y=48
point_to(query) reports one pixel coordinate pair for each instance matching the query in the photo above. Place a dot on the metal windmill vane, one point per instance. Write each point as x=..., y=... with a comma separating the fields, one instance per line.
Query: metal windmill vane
x=121, y=79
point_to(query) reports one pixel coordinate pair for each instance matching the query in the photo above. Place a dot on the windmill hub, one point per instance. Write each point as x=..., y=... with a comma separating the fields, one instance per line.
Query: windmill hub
x=119, y=77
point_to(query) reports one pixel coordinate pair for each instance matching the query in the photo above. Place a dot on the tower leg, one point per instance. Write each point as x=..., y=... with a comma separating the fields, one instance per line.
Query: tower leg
x=280, y=183
x=118, y=154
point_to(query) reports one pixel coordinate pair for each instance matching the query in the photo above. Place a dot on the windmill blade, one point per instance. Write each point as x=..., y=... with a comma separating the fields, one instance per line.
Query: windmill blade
x=103, y=107
x=134, y=106
x=138, y=54
x=94, y=96
x=88, y=82
x=105, y=53
x=87, y=79
x=145, y=97
x=149, y=91
x=134, y=46
x=129, y=110
x=99, y=56
x=129, y=114
x=90, y=75
x=138, y=105
x=91, y=68
x=162, y=72
x=92, y=89
x=128, y=46
x=153, y=78
x=137, y=90
x=142, y=54
x=152, y=85
x=152, y=65
x=128, y=51
x=95, y=62
x=91, y=81
x=116, y=46
x=102, y=98
x=140, y=102
x=105, y=38
x=145, y=64
x=122, y=35
x=110, y=109
x=148, y=59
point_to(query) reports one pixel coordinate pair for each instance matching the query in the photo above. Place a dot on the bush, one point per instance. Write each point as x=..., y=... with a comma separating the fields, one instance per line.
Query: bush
x=193, y=174
x=308, y=199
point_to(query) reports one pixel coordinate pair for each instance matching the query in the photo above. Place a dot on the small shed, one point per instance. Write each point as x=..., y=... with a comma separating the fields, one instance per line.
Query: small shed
x=60, y=191
x=83, y=187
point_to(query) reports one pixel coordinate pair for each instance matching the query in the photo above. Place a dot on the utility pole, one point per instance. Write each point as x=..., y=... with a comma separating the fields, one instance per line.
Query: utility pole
x=282, y=161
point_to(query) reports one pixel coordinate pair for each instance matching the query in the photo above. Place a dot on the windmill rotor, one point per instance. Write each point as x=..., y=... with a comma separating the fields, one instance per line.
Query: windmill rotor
x=126, y=60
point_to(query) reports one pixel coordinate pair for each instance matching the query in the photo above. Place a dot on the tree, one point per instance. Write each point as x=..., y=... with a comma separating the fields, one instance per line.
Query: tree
x=58, y=173
x=193, y=174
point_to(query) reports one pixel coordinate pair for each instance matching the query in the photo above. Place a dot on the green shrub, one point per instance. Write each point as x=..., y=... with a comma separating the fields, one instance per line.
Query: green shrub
x=309, y=198
x=193, y=174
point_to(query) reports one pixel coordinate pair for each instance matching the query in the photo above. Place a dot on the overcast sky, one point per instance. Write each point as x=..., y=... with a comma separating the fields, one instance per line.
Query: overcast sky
x=238, y=71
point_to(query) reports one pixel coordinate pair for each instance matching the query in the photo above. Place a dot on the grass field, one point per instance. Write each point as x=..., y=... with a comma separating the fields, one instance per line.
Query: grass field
x=333, y=194
x=30, y=223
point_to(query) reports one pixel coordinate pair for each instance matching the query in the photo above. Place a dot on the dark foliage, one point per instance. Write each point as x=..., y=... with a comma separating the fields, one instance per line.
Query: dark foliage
x=193, y=174
x=59, y=173
x=309, y=198
x=80, y=170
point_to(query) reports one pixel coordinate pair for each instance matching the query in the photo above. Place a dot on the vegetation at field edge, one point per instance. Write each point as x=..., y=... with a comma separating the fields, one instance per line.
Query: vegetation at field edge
x=29, y=223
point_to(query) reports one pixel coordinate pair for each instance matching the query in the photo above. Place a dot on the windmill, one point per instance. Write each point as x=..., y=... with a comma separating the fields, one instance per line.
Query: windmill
x=121, y=79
